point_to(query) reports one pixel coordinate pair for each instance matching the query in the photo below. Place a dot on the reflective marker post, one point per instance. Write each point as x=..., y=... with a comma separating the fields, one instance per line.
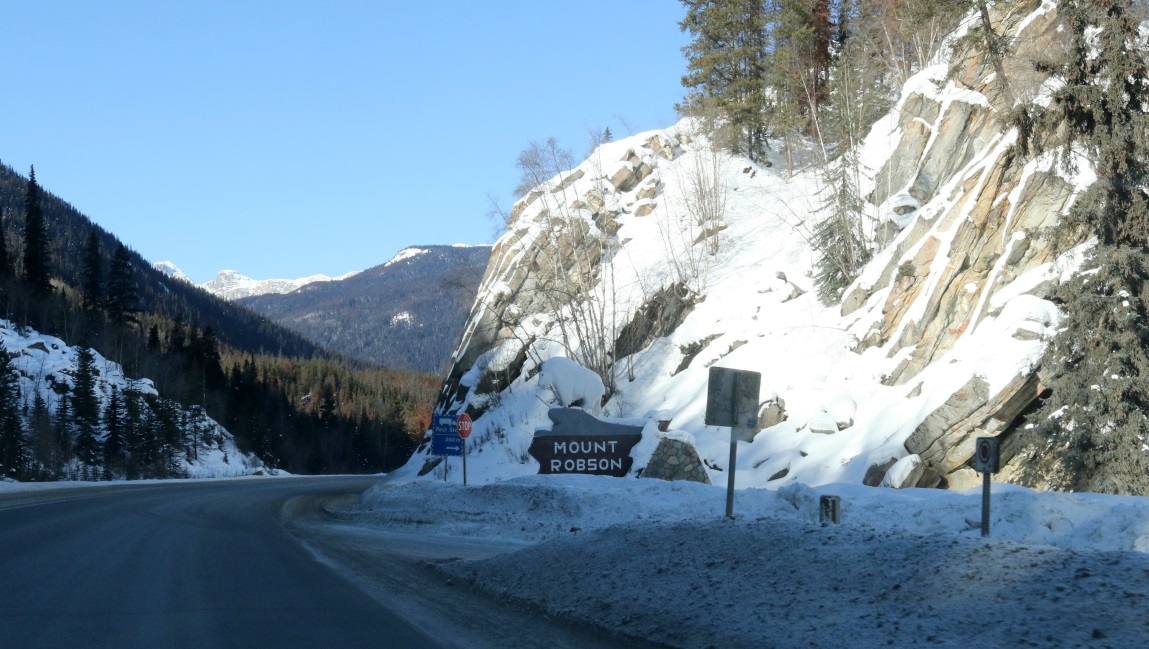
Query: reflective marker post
x=986, y=460
x=985, y=504
x=730, y=475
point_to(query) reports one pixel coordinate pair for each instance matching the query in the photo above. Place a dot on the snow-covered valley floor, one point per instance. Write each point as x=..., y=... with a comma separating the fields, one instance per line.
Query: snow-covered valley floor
x=659, y=561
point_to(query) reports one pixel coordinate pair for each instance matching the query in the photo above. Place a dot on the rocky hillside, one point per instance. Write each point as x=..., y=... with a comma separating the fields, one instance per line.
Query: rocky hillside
x=660, y=257
x=154, y=430
x=404, y=314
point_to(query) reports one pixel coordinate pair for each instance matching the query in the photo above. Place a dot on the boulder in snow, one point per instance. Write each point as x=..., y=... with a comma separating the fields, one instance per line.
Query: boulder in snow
x=644, y=207
x=663, y=145
x=905, y=473
x=771, y=413
x=842, y=408
x=823, y=424
x=946, y=438
x=675, y=458
x=624, y=178
x=877, y=472
x=573, y=384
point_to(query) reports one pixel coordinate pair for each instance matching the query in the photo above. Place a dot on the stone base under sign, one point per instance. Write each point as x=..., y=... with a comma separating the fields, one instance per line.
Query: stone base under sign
x=675, y=459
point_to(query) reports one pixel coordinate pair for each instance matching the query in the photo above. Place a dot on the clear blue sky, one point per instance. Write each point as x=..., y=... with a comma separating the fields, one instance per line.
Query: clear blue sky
x=288, y=138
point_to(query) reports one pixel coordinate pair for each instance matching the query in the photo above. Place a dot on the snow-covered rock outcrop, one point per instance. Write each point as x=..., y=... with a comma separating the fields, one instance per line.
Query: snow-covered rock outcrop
x=169, y=269
x=936, y=343
x=46, y=368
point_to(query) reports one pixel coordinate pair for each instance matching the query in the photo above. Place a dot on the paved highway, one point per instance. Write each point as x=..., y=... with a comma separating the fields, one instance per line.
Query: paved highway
x=196, y=564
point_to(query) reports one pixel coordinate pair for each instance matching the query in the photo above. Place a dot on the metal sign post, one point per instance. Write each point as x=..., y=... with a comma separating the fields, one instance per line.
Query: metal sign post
x=986, y=460
x=732, y=400
x=463, y=423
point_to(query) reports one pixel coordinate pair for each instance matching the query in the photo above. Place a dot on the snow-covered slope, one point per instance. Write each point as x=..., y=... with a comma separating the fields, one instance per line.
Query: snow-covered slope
x=46, y=367
x=659, y=561
x=231, y=285
x=935, y=344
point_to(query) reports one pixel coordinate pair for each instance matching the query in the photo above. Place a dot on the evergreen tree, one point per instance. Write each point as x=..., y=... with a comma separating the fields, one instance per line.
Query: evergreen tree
x=167, y=435
x=14, y=452
x=123, y=296
x=841, y=239
x=177, y=337
x=136, y=436
x=799, y=71
x=47, y=457
x=726, y=70
x=116, y=437
x=92, y=274
x=208, y=360
x=86, y=409
x=5, y=258
x=36, y=273
x=63, y=428
x=1100, y=360
x=859, y=93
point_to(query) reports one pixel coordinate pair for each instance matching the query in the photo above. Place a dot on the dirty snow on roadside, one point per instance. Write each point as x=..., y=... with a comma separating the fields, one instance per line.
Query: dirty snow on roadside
x=658, y=560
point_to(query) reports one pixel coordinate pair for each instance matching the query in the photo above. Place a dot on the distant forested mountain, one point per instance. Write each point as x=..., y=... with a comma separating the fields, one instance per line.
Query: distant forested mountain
x=293, y=403
x=68, y=231
x=405, y=314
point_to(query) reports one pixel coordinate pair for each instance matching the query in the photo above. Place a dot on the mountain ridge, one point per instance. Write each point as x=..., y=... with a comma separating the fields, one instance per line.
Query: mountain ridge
x=406, y=313
x=232, y=285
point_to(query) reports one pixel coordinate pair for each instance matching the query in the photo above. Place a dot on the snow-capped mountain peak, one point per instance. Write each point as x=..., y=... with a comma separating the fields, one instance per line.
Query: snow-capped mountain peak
x=407, y=253
x=172, y=271
x=232, y=285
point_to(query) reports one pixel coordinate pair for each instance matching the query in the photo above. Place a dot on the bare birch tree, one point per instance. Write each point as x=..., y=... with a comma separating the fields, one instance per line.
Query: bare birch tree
x=566, y=271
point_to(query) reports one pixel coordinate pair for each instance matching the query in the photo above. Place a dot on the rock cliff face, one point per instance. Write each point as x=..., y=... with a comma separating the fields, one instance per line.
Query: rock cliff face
x=986, y=221
x=938, y=342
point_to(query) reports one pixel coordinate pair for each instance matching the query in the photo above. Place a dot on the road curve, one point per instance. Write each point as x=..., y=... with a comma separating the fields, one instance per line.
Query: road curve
x=184, y=564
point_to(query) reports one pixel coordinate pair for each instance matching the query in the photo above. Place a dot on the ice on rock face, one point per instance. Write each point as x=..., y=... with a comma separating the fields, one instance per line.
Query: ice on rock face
x=901, y=209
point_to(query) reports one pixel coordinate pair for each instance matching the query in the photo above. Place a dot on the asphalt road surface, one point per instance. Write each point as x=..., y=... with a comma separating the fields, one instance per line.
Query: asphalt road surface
x=197, y=564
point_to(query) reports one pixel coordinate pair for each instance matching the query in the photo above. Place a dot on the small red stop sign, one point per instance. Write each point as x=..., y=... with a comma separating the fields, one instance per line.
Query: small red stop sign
x=464, y=424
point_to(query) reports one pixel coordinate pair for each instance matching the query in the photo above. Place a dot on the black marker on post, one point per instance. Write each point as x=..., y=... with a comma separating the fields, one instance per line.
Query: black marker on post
x=986, y=460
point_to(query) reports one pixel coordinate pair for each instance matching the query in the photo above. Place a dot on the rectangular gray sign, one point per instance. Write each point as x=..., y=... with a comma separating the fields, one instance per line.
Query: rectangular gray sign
x=732, y=398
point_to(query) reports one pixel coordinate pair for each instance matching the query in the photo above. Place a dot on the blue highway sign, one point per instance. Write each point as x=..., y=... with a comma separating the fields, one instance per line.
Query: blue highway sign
x=445, y=438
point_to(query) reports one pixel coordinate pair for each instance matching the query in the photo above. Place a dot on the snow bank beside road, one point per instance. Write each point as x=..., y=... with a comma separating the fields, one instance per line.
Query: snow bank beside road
x=541, y=508
x=659, y=560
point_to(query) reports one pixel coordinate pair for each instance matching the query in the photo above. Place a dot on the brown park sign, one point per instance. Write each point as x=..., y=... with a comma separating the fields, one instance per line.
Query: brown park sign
x=580, y=443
